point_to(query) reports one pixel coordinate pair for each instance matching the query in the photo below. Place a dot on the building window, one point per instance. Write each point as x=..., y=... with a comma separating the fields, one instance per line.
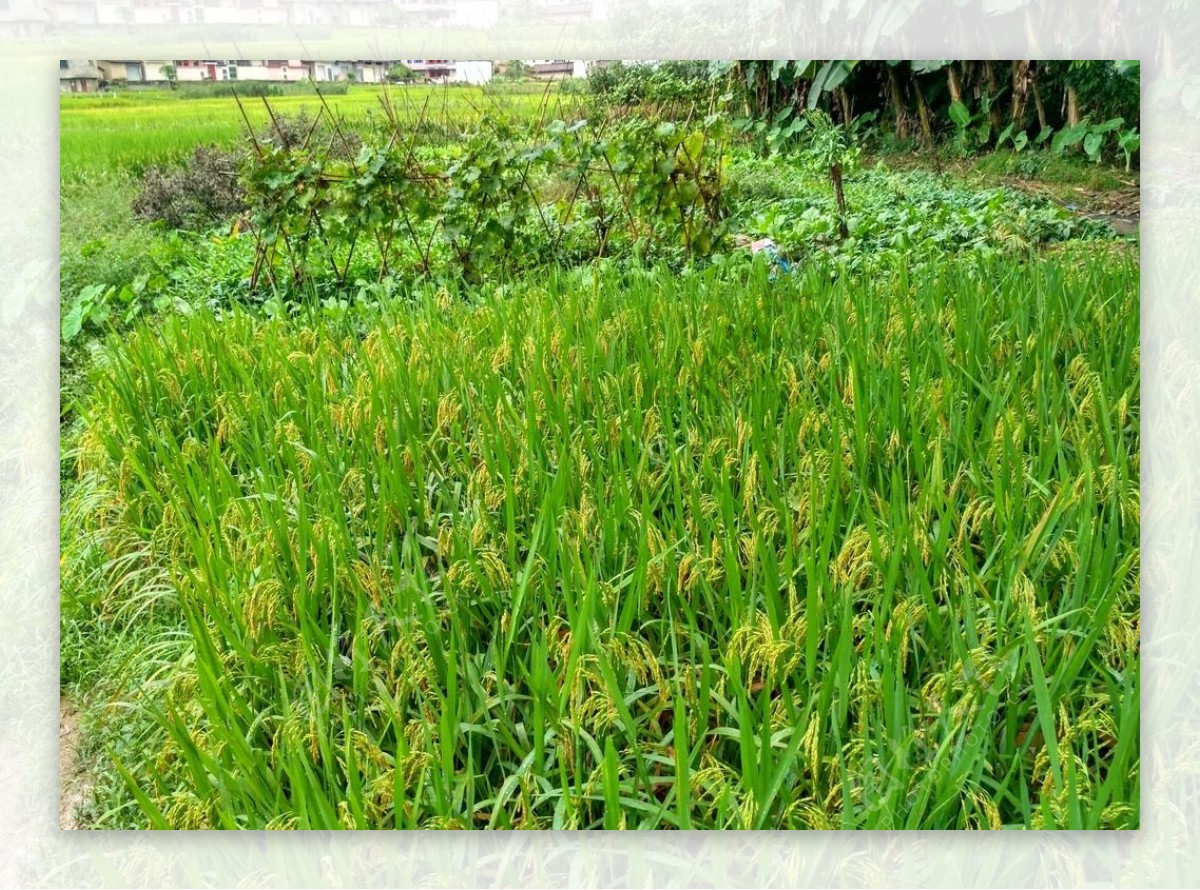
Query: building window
x=63, y=64
x=232, y=72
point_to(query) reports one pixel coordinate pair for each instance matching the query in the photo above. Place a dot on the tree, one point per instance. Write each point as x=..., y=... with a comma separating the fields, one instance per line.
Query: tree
x=831, y=151
x=400, y=73
x=168, y=71
x=928, y=66
x=895, y=93
x=515, y=69
x=990, y=102
x=1022, y=83
x=770, y=85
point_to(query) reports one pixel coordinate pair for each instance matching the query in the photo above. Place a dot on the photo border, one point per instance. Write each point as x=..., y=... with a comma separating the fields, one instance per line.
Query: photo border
x=34, y=852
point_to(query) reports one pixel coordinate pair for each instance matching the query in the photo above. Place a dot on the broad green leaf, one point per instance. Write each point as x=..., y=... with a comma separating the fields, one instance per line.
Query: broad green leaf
x=1064, y=139
x=1109, y=125
x=829, y=78
x=72, y=322
x=929, y=66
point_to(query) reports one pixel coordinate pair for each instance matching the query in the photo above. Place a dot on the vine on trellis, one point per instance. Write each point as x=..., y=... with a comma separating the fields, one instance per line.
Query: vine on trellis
x=497, y=200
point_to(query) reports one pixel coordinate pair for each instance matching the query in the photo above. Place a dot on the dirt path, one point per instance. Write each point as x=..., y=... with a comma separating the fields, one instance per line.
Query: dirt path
x=1120, y=208
x=73, y=781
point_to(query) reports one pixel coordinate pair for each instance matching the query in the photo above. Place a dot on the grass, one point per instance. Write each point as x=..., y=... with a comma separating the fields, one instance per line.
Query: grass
x=1054, y=171
x=102, y=132
x=627, y=550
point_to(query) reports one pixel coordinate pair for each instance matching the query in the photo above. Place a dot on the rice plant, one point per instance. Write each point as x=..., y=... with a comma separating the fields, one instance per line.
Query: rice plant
x=102, y=132
x=635, y=550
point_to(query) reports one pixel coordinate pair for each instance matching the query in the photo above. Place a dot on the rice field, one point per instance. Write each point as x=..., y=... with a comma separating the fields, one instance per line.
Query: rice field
x=106, y=132
x=629, y=549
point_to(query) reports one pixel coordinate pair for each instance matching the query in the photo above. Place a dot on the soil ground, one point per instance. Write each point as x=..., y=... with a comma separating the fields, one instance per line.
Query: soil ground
x=73, y=780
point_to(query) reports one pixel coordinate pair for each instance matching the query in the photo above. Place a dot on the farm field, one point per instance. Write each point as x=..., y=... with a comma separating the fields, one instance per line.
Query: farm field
x=102, y=133
x=485, y=476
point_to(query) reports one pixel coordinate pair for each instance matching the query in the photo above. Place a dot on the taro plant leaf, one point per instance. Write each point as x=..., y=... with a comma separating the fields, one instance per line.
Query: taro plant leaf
x=1092, y=144
x=72, y=322
x=1064, y=139
x=960, y=114
x=88, y=307
x=1129, y=142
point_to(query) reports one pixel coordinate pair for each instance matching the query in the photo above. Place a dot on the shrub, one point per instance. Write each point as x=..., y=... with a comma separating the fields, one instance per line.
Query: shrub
x=206, y=190
x=245, y=89
x=673, y=81
x=254, y=89
x=202, y=192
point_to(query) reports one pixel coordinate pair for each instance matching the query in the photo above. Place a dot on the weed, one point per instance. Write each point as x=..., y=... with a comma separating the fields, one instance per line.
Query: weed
x=202, y=192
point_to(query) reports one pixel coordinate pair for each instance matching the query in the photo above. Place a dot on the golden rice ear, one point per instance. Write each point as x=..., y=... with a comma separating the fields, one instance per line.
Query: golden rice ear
x=704, y=483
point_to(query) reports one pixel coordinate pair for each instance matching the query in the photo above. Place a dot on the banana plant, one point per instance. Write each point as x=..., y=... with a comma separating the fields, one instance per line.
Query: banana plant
x=917, y=69
x=769, y=81
x=828, y=78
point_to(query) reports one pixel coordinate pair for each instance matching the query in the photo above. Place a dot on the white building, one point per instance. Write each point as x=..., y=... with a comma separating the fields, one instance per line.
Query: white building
x=86, y=76
x=451, y=70
x=452, y=13
x=472, y=72
x=343, y=13
x=23, y=18
x=277, y=70
x=224, y=12
x=197, y=70
x=578, y=10
x=355, y=71
x=90, y=12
